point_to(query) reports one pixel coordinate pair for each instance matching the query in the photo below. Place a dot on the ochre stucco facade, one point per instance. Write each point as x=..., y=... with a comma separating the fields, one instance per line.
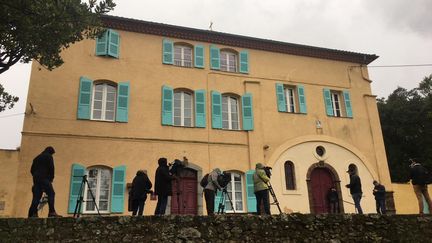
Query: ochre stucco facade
x=138, y=143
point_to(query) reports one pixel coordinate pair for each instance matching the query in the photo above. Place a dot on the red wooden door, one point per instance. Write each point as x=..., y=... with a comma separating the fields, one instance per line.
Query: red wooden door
x=184, y=199
x=321, y=182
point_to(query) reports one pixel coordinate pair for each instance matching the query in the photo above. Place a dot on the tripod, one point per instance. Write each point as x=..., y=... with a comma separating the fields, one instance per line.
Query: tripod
x=275, y=201
x=80, y=200
x=221, y=206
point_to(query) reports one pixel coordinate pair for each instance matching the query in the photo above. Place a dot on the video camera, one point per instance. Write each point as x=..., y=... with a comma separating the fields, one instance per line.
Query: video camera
x=177, y=165
x=267, y=170
x=223, y=179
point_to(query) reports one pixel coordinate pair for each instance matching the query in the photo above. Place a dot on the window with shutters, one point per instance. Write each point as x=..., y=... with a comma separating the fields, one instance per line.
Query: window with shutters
x=289, y=175
x=230, y=112
x=99, y=187
x=108, y=44
x=228, y=61
x=290, y=97
x=183, y=108
x=338, y=103
x=235, y=191
x=104, y=102
x=183, y=55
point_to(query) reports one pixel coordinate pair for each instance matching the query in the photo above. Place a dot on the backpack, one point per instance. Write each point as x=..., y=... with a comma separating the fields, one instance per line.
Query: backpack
x=204, y=180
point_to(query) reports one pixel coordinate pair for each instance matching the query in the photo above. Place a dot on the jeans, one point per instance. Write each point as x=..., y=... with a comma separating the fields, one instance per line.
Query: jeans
x=263, y=196
x=422, y=191
x=161, y=205
x=138, y=206
x=209, y=196
x=380, y=206
x=357, y=197
x=334, y=207
x=40, y=186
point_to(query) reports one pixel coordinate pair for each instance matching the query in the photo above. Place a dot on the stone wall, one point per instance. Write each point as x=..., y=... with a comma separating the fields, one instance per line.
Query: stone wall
x=9, y=160
x=221, y=228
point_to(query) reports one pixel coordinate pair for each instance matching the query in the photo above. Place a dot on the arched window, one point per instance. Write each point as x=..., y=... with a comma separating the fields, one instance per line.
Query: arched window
x=230, y=112
x=183, y=108
x=104, y=102
x=182, y=55
x=228, y=61
x=235, y=191
x=289, y=176
x=99, y=182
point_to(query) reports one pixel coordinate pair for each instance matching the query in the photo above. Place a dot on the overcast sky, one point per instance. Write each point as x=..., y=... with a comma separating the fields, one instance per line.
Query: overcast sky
x=399, y=31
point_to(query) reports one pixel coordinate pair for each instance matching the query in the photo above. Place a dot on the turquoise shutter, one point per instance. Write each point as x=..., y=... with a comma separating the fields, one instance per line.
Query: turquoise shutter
x=101, y=44
x=216, y=109
x=281, y=102
x=302, y=99
x=118, y=189
x=78, y=171
x=200, y=108
x=217, y=200
x=247, y=112
x=250, y=192
x=84, y=98
x=244, y=62
x=113, y=44
x=167, y=105
x=328, y=102
x=348, y=106
x=199, y=56
x=214, y=58
x=168, y=52
x=123, y=102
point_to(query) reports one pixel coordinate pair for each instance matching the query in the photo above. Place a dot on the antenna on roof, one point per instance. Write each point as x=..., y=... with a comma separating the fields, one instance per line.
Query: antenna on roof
x=211, y=25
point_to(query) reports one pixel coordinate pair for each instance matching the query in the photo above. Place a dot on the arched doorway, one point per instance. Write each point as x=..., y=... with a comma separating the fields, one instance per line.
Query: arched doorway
x=320, y=178
x=184, y=198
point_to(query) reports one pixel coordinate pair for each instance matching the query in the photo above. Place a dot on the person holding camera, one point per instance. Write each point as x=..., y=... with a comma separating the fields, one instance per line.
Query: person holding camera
x=379, y=192
x=42, y=170
x=211, y=189
x=419, y=179
x=261, y=188
x=141, y=185
x=355, y=188
x=163, y=186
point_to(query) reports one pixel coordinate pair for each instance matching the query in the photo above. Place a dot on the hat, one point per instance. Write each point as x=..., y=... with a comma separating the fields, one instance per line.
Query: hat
x=259, y=166
x=351, y=168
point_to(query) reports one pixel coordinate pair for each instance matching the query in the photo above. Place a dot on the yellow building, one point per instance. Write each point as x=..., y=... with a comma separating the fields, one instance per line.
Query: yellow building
x=146, y=90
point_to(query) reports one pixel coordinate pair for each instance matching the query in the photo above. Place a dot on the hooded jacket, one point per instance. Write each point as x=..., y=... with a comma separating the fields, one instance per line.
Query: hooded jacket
x=141, y=184
x=43, y=165
x=212, y=180
x=163, y=185
x=418, y=174
x=260, y=178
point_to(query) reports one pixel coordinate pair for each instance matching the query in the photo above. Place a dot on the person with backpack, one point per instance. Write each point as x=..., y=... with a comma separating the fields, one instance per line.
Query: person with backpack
x=141, y=185
x=419, y=179
x=210, y=190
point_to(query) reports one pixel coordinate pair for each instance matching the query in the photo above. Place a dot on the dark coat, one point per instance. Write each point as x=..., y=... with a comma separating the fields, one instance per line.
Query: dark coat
x=332, y=196
x=418, y=175
x=379, y=192
x=141, y=185
x=163, y=185
x=43, y=166
x=355, y=184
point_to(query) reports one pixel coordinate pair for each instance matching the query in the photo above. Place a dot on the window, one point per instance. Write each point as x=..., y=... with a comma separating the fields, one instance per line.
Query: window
x=228, y=61
x=291, y=98
x=235, y=192
x=183, y=110
x=108, y=44
x=335, y=98
x=182, y=56
x=99, y=182
x=230, y=113
x=289, y=175
x=104, y=102
x=338, y=103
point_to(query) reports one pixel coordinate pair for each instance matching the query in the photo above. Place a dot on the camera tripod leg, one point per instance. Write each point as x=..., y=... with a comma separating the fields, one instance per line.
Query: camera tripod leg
x=92, y=196
x=229, y=198
x=221, y=206
x=77, y=210
x=275, y=201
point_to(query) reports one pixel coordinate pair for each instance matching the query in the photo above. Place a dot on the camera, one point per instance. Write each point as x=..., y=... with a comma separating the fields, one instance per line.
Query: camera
x=267, y=170
x=177, y=165
x=223, y=179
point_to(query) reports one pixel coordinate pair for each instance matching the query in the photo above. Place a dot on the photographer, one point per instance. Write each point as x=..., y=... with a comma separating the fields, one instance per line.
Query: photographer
x=419, y=179
x=141, y=185
x=210, y=190
x=261, y=188
x=163, y=186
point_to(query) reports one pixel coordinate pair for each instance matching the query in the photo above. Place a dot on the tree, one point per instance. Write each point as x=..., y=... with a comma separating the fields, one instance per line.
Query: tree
x=6, y=100
x=40, y=29
x=406, y=120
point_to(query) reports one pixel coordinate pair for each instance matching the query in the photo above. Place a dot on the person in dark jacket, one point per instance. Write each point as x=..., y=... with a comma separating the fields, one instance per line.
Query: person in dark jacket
x=419, y=179
x=379, y=193
x=355, y=188
x=141, y=185
x=333, y=199
x=163, y=185
x=42, y=171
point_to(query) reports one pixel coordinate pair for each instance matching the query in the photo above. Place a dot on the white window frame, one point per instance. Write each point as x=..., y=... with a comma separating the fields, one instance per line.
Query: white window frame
x=336, y=99
x=104, y=102
x=232, y=193
x=182, y=108
x=183, y=62
x=231, y=65
x=230, y=112
x=290, y=97
x=96, y=193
